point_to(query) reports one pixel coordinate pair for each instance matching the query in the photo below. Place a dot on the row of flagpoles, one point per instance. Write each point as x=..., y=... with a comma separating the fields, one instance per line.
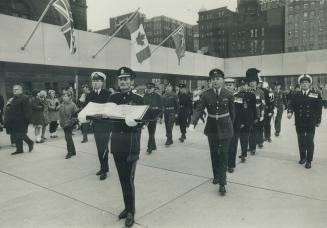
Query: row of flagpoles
x=135, y=27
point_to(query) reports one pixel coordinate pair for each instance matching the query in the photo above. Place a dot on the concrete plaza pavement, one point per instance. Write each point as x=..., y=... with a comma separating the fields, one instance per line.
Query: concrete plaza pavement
x=173, y=185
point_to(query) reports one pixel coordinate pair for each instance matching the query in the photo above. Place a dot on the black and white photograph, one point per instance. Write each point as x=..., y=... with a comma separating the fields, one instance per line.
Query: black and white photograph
x=163, y=113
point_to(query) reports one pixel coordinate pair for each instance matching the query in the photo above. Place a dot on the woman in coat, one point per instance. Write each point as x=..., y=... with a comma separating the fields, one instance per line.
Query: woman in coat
x=53, y=113
x=37, y=119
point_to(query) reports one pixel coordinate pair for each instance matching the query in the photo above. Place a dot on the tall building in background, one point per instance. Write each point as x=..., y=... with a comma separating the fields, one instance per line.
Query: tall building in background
x=32, y=9
x=214, y=28
x=271, y=4
x=256, y=31
x=305, y=25
x=196, y=44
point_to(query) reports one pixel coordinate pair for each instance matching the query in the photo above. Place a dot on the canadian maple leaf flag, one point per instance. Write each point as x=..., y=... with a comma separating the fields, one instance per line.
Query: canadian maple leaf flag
x=138, y=39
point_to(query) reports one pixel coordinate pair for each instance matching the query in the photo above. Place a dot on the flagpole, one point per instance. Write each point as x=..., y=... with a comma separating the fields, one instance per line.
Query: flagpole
x=115, y=33
x=37, y=25
x=173, y=33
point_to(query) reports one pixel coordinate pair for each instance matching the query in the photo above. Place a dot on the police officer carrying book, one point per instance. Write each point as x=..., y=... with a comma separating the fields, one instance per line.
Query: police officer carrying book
x=245, y=114
x=125, y=142
x=101, y=128
x=306, y=105
x=219, y=103
x=154, y=100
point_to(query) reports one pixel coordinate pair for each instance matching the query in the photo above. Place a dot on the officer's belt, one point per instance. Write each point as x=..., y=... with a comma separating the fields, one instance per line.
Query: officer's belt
x=169, y=108
x=218, y=116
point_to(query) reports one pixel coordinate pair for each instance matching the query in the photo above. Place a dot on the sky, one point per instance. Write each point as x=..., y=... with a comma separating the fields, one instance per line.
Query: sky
x=99, y=11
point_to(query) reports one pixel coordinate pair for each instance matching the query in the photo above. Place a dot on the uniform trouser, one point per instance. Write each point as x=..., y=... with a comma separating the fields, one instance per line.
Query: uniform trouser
x=101, y=131
x=69, y=140
x=53, y=126
x=305, y=137
x=243, y=135
x=19, y=138
x=267, y=126
x=169, y=124
x=256, y=135
x=278, y=119
x=219, y=156
x=152, y=131
x=182, y=119
x=85, y=129
x=126, y=173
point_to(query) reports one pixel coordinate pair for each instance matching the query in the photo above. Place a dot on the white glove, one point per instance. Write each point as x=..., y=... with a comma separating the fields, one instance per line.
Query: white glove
x=130, y=122
x=191, y=127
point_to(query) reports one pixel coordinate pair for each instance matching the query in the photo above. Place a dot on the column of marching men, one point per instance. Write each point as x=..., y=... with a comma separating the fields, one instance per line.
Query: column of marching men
x=239, y=109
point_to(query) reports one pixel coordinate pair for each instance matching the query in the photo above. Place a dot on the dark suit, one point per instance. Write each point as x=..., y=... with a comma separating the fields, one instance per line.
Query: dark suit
x=307, y=110
x=218, y=129
x=18, y=116
x=154, y=100
x=125, y=147
x=245, y=113
x=101, y=129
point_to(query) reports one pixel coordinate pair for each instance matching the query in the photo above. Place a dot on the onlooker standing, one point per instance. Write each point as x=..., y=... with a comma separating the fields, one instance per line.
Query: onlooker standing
x=37, y=119
x=67, y=111
x=53, y=114
x=81, y=104
x=43, y=97
x=17, y=119
x=2, y=104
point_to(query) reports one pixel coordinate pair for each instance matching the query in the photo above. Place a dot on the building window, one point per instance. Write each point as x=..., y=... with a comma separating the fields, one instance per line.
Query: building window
x=262, y=46
x=262, y=31
x=305, y=14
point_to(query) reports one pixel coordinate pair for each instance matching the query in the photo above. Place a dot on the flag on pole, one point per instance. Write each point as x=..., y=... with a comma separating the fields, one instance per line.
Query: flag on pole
x=138, y=39
x=179, y=40
x=63, y=8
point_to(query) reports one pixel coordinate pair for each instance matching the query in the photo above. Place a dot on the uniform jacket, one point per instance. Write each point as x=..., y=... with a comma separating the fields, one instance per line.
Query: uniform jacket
x=125, y=140
x=18, y=114
x=170, y=102
x=307, y=109
x=185, y=102
x=154, y=100
x=280, y=98
x=216, y=105
x=260, y=102
x=245, y=108
x=98, y=98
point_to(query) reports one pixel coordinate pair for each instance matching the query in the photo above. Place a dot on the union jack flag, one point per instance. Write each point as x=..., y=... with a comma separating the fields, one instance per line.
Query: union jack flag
x=63, y=8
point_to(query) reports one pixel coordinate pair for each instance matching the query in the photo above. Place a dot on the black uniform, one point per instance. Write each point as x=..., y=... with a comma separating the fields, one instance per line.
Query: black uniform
x=125, y=147
x=218, y=129
x=154, y=100
x=280, y=102
x=245, y=114
x=307, y=110
x=101, y=129
x=269, y=110
x=185, y=108
x=171, y=108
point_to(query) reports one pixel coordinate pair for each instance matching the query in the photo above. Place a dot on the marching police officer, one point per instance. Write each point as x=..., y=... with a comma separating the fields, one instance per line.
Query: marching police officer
x=125, y=142
x=185, y=108
x=307, y=108
x=269, y=110
x=280, y=103
x=171, y=109
x=219, y=103
x=256, y=130
x=245, y=114
x=101, y=128
x=154, y=100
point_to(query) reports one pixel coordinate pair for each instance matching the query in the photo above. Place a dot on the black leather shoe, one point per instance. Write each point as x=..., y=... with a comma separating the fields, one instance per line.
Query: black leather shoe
x=103, y=176
x=276, y=134
x=308, y=165
x=222, y=189
x=260, y=145
x=129, y=220
x=183, y=136
x=181, y=139
x=17, y=152
x=122, y=214
x=215, y=181
x=242, y=158
x=149, y=150
x=98, y=173
x=84, y=141
x=31, y=147
x=302, y=161
x=68, y=156
x=230, y=170
x=252, y=152
x=154, y=148
x=269, y=140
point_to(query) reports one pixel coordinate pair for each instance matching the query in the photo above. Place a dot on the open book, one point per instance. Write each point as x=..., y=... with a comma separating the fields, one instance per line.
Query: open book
x=112, y=111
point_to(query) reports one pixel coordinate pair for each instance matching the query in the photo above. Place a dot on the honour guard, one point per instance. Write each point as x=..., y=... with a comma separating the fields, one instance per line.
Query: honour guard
x=171, y=109
x=256, y=130
x=245, y=114
x=219, y=103
x=154, y=100
x=101, y=128
x=125, y=142
x=185, y=108
x=269, y=111
x=307, y=108
x=280, y=104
